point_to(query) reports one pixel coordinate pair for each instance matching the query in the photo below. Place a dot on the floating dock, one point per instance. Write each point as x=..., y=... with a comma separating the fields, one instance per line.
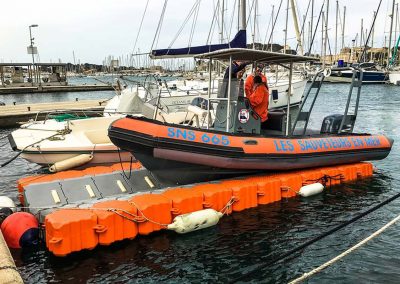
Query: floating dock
x=13, y=115
x=54, y=89
x=102, y=205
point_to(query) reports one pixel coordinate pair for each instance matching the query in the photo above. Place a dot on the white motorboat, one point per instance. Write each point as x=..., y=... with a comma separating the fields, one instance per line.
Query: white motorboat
x=50, y=141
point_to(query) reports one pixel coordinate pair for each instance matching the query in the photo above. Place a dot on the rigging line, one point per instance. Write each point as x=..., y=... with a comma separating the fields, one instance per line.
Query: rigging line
x=140, y=26
x=316, y=27
x=196, y=14
x=369, y=35
x=258, y=268
x=155, y=39
x=266, y=33
x=224, y=26
x=273, y=25
x=218, y=15
x=249, y=16
x=257, y=26
x=184, y=24
x=211, y=31
x=232, y=17
x=162, y=20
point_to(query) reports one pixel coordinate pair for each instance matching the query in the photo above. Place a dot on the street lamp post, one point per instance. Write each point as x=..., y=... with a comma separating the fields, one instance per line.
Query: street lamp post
x=31, y=38
x=31, y=50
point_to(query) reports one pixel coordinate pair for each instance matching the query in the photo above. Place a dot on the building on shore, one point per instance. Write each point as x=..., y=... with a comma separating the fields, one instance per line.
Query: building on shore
x=28, y=74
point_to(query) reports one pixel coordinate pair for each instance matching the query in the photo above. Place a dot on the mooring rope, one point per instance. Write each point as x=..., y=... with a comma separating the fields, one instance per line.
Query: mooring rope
x=257, y=268
x=340, y=256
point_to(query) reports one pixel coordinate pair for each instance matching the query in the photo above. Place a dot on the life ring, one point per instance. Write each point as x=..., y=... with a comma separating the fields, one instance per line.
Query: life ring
x=327, y=72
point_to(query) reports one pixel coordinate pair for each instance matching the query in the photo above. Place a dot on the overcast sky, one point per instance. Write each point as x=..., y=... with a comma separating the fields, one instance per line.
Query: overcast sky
x=95, y=29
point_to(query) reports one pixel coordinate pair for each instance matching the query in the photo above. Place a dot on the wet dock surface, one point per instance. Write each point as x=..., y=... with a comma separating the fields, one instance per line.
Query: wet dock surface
x=53, y=89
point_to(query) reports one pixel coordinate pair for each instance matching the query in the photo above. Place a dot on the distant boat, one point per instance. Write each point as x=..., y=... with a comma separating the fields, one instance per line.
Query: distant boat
x=371, y=74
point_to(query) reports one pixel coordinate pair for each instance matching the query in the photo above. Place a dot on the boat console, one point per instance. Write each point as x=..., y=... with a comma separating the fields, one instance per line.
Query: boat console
x=242, y=118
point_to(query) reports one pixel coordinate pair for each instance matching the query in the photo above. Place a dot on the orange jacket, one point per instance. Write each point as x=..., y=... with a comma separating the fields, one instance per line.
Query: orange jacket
x=249, y=84
x=259, y=100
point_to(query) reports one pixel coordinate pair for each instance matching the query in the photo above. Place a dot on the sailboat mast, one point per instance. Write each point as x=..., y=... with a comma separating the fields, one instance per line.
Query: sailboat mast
x=396, y=21
x=390, y=34
x=361, y=32
x=255, y=24
x=336, y=26
x=296, y=26
x=322, y=39
x=286, y=26
x=311, y=23
x=222, y=21
x=273, y=25
x=373, y=32
x=344, y=23
x=326, y=30
x=242, y=14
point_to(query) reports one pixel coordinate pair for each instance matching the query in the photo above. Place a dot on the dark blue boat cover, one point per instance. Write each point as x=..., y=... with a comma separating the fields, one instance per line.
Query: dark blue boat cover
x=238, y=42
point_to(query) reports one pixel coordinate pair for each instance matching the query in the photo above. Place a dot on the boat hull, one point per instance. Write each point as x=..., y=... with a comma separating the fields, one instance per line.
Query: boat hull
x=100, y=157
x=166, y=152
x=394, y=77
x=369, y=77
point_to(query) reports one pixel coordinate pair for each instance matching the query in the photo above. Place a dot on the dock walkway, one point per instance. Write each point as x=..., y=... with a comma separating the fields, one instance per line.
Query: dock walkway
x=8, y=272
x=13, y=115
x=53, y=89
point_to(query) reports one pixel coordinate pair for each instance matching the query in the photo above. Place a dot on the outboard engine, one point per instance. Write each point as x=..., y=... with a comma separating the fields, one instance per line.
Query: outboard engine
x=331, y=123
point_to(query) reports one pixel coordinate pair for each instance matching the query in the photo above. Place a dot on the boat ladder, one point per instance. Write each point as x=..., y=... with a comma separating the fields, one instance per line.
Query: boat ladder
x=312, y=94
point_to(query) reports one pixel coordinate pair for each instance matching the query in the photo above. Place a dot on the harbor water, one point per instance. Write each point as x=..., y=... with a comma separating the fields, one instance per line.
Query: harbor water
x=244, y=242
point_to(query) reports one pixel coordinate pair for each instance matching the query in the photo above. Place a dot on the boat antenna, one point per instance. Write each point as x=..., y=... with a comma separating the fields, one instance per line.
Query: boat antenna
x=369, y=34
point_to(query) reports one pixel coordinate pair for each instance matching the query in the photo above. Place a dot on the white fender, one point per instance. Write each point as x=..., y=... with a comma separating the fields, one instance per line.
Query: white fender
x=71, y=163
x=7, y=202
x=195, y=221
x=311, y=189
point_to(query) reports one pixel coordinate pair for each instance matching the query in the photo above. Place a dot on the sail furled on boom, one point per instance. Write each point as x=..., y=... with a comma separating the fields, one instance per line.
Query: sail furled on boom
x=239, y=41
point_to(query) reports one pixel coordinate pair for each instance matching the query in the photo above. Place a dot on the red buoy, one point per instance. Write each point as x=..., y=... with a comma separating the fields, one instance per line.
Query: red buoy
x=20, y=229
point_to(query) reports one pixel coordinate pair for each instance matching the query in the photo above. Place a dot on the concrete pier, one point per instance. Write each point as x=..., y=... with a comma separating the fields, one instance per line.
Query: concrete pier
x=8, y=272
x=53, y=89
x=13, y=115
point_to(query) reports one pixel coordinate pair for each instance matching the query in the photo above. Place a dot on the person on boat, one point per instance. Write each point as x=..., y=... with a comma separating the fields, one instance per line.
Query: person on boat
x=236, y=67
x=249, y=84
x=259, y=98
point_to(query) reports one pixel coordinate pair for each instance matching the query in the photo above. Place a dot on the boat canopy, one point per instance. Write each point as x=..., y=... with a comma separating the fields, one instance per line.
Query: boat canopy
x=261, y=56
x=239, y=41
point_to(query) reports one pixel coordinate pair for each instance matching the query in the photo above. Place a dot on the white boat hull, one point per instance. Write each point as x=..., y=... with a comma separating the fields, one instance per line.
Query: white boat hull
x=394, y=77
x=102, y=156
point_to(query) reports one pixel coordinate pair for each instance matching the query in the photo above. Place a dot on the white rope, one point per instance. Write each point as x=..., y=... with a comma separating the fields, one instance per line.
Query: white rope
x=340, y=256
